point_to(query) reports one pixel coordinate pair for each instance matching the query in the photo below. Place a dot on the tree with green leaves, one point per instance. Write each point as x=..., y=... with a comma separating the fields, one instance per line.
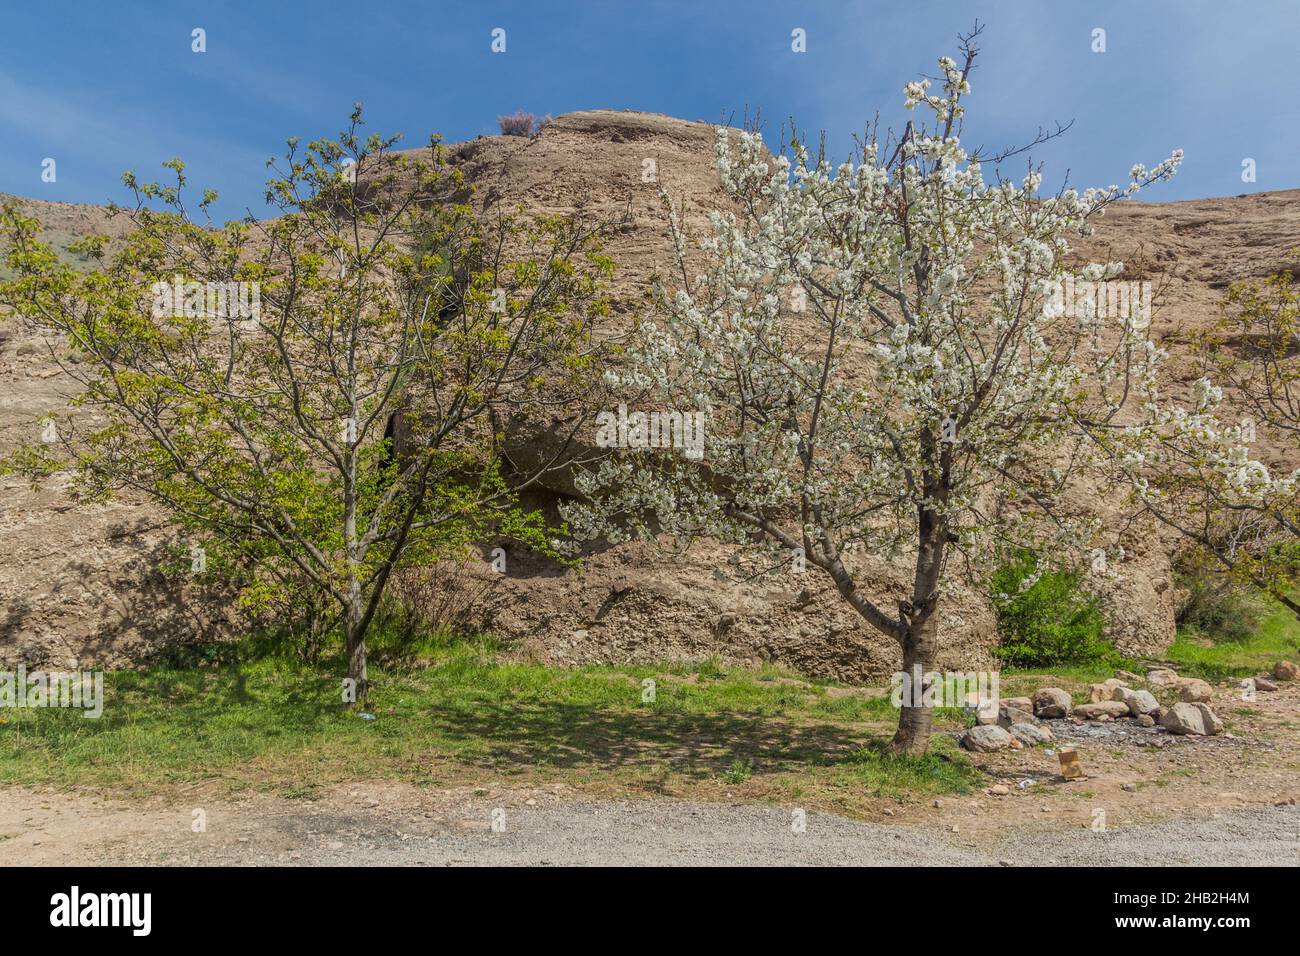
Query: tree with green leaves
x=319, y=397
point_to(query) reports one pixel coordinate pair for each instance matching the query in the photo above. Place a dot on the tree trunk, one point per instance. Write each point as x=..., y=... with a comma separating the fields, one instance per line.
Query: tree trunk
x=356, y=646
x=914, y=722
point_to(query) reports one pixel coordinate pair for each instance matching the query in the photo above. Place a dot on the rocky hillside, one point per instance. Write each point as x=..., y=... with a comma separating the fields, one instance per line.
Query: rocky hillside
x=84, y=583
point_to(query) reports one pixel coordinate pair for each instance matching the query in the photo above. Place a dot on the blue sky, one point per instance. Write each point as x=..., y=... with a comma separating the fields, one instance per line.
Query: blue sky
x=102, y=87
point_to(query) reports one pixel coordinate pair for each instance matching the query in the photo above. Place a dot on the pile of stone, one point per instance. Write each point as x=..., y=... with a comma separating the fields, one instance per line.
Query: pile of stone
x=1009, y=724
x=1018, y=722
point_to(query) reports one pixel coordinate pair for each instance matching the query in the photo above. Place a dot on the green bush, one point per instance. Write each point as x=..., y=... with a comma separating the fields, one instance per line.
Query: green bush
x=1053, y=621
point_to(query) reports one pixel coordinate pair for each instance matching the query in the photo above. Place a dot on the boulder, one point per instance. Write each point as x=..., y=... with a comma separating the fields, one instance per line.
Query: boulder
x=1105, y=708
x=1007, y=716
x=1100, y=692
x=1050, y=702
x=1193, y=691
x=1140, y=702
x=1019, y=703
x=1162, y=677
x=985, y=739
x=1265, y=684
x=987, y=713
x=1285, y=670
x=1031, y=734
x=1185, y=718
x=1110, y=689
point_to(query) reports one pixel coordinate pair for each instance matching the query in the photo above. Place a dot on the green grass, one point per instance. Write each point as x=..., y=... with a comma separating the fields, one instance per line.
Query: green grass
x=463, y=715
x=1192, y=654
x=1275, y=637
x=1023, y=681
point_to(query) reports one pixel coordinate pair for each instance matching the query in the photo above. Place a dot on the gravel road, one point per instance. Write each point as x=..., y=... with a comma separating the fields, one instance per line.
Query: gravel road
x=676, y=833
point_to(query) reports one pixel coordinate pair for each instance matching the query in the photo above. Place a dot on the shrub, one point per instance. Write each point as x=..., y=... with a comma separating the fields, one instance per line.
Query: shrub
x=1054, y=620
x=433, y=602
x=522, y=124
x=1216, y=606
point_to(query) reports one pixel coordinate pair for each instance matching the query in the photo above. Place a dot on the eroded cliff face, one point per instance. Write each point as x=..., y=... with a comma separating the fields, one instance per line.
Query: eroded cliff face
x=84, y=584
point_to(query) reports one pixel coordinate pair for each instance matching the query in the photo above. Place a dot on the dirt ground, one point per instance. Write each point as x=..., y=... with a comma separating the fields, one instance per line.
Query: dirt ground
x=1148, y=797
x=368, y=824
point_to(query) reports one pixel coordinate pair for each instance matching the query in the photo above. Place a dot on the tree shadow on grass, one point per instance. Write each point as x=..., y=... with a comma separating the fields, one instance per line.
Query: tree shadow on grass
x=210, y=719
x=557, y=734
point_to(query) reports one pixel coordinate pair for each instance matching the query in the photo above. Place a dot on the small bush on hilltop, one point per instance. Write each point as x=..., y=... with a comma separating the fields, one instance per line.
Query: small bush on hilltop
x=522, y=124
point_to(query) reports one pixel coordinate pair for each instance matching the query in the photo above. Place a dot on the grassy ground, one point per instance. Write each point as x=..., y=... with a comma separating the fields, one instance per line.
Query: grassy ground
x=460, y=715
x=457, y=713
x=1275, y=637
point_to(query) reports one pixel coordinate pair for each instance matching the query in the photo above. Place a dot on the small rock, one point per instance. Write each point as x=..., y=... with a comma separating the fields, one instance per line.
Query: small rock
x=1050, y=702
x=999, y=790
x=1128, y=677
x=1285, y=670
x=986, y=738
x=1146, y=720
x=1130, y=787
x=937, y=804
x=1265, y=684
x=1194, y=691
x=1019, y=703
x=1015, y=743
